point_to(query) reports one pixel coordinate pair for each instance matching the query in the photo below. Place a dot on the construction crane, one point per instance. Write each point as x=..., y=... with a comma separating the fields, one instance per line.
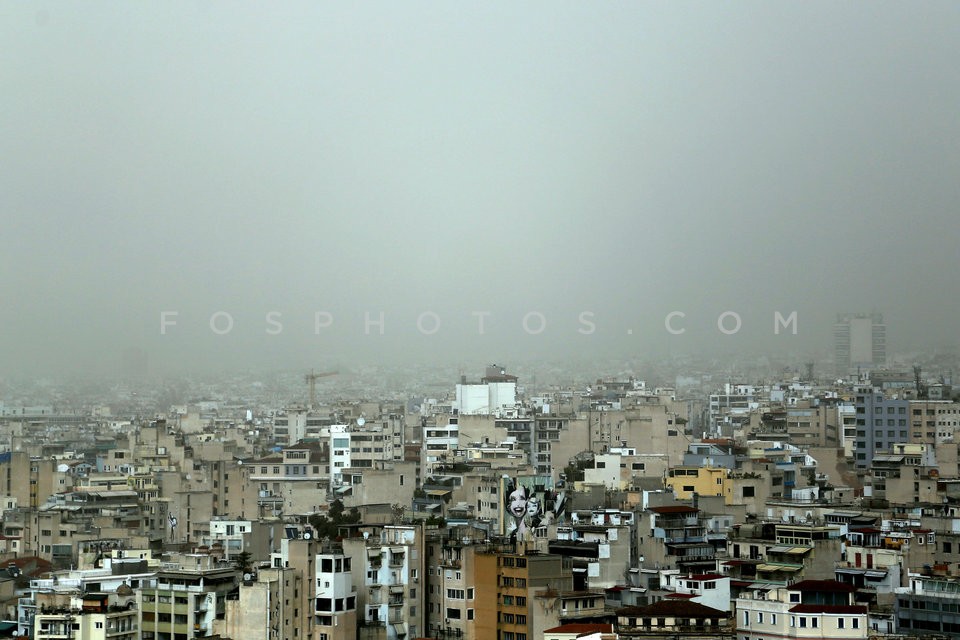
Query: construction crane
x=311, y=379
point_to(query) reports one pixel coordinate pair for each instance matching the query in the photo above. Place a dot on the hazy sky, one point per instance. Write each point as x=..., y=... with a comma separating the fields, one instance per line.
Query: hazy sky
x=627, y=159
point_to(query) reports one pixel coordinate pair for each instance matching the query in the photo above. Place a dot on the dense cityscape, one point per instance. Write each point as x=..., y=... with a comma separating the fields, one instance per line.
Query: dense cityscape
x=819, y=503
x=485, y=321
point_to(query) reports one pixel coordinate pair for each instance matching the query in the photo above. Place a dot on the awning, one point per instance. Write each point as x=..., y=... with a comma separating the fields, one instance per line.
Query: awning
x=439, y=493
x=850, y=570
x=800, y=550
x=790, y=568
x=343, y=490
x=400, y=628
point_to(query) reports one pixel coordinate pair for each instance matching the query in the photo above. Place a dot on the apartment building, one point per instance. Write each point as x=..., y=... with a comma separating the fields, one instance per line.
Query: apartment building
x=389, y=565
x=677, y=536
x=90, y=616
x=686, y=482
x=188, y=598
x=295, y=479
x=678, y=619
x=265, y=607
x=928, y=605
x=821, y=609
x=882, y=421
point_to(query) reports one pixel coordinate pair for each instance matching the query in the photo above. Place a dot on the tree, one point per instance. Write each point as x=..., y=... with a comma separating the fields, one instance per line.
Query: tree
x=242, y=561
x=327, y=526
x=439, y=521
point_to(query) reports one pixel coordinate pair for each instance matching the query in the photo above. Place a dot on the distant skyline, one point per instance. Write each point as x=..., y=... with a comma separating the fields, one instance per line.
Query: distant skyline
x=629, y=160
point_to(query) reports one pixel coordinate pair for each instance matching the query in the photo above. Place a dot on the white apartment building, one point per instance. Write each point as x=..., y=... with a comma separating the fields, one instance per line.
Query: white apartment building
x=821, y=609
x=496, y=392
x=336, y=599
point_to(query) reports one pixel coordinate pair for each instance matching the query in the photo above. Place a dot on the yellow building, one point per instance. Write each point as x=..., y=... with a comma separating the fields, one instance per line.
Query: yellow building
x=704, y=481
x=88, y=617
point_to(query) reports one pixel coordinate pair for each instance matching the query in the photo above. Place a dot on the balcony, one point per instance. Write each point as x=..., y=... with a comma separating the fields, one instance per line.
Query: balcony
x=685, y=630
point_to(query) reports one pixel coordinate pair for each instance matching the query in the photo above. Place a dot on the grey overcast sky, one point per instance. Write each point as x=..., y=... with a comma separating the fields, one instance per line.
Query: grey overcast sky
x=623, y=158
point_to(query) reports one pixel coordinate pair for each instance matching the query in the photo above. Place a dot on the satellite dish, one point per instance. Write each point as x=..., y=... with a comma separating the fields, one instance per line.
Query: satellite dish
x=307, y=536
x=361, y=421
x=247, y=577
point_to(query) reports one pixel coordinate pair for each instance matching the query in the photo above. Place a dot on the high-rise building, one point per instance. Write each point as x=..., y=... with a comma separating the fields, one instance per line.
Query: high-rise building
x=882, y=421
x=860, y=342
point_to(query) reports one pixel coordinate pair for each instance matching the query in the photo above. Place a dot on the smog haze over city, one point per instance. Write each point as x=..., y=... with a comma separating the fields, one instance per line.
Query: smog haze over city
x=174, y=168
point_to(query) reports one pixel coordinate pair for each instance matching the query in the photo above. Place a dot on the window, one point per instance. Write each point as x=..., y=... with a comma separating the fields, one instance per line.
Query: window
x=759, y=617
x=840, y=622
x=746, y=618
x=854, y=623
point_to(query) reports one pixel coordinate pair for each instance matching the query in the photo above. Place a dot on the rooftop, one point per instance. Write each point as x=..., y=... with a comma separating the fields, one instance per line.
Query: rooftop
x=826, y=586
